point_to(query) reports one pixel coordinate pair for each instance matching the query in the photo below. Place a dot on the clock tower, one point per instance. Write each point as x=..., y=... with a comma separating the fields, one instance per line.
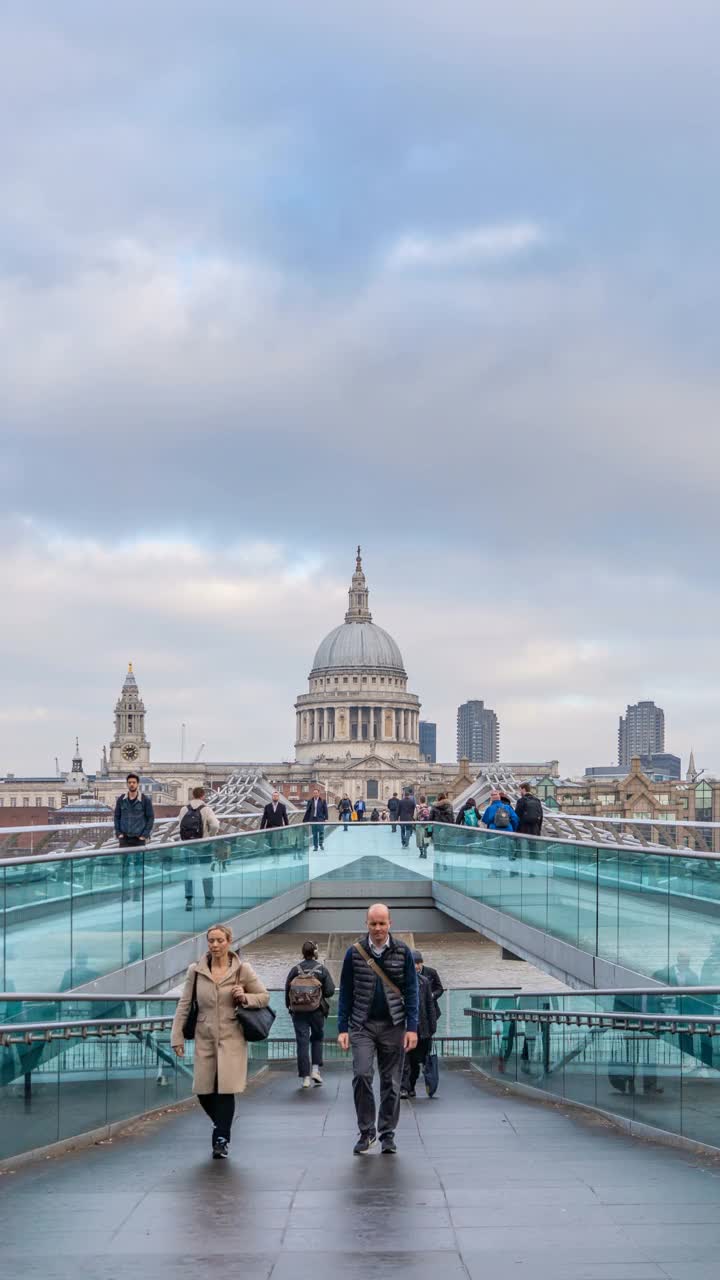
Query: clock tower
x=129, y=748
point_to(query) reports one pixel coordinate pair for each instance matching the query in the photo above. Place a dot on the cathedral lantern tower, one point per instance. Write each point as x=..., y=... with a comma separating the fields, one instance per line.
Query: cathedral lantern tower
x=129, y=748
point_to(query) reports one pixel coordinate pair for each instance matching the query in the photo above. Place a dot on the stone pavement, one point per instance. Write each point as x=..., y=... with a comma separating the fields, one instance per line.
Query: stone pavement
x=485, y=1184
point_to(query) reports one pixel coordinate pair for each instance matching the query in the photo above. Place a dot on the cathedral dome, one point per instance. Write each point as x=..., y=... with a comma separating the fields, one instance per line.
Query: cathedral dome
x=358, y=645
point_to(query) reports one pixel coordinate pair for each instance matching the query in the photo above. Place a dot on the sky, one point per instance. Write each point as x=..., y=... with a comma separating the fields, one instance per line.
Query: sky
x=438, y=279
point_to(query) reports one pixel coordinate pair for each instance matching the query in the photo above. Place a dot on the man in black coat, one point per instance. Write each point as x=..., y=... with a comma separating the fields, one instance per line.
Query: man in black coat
x=427, y=1026
x=316, y=812
x=406, y=817
x=393, y=806
x=274, y=814
x=529, y=811
x=433, y=977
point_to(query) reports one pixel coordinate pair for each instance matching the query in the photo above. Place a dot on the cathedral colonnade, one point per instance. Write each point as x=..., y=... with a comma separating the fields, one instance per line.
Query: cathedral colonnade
x=357, y=722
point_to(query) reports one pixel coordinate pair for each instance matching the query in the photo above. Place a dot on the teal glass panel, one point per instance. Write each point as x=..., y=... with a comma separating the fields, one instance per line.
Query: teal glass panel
x=70, y=920
x=29, y=1097
x=666, y=1079
x=60, y=1089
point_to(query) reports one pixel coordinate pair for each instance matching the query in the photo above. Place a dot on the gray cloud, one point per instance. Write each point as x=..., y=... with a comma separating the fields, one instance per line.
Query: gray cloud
x=209, y=346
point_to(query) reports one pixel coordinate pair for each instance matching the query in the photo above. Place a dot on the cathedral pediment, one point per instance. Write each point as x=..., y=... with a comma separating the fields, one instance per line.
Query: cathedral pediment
x=374, y=764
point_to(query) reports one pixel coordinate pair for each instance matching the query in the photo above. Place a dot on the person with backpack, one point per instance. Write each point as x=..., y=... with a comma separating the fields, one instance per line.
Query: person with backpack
x=500, y=815
x=468, y=815
x=530, y=819
x=198, y=822
x=442, y=810
x=308, y=988
x=529, y=812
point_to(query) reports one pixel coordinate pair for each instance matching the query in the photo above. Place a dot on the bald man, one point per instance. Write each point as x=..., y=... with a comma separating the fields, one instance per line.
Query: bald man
x=378, y=1016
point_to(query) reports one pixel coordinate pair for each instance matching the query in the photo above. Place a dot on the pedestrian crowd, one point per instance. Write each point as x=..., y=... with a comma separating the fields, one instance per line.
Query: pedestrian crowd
x=387, y=1016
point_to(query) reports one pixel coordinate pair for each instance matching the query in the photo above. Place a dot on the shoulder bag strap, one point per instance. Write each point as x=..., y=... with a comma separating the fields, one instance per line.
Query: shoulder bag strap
x=381, y=974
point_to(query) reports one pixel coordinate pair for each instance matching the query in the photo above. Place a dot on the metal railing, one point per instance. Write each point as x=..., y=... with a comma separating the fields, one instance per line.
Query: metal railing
x=655, y=1022
x=544, y=841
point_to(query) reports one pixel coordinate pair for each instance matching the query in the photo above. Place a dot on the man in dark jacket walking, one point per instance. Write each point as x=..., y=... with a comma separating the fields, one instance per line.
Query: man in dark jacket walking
x=378, y=1015
x=393, y=806
x=316, y=812
x=406, y=816
x=427, y=1026
x=433, y=977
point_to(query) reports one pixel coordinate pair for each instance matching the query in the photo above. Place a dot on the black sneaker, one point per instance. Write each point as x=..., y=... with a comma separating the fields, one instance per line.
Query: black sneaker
x=404, y=1095
x=387, y=1145
x=364, y=1143
x=221, y=1149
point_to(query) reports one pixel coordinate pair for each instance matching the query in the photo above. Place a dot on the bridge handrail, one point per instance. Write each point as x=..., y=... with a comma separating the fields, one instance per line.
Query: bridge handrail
x=670, y=1022
x=111, y=851
x=79, y=1028
x=467, y=833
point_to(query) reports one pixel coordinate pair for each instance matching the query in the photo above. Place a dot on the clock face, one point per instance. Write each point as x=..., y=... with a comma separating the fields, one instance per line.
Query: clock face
x=129, y=752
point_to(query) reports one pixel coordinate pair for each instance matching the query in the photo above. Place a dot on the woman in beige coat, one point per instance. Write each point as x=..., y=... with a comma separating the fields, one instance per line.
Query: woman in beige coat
x=223, y=981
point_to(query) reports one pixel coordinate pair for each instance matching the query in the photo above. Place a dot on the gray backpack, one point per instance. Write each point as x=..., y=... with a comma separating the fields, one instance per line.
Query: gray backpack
x=501, y=819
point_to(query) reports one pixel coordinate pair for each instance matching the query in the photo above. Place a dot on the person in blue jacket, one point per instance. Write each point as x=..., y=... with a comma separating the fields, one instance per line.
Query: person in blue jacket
x=500, y=802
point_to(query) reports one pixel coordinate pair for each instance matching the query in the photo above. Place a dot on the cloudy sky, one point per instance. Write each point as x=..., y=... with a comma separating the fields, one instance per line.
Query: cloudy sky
x=277, y=279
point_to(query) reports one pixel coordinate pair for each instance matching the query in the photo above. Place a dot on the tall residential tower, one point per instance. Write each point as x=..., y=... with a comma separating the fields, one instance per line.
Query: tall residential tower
x=641, y=732
x=478, y=733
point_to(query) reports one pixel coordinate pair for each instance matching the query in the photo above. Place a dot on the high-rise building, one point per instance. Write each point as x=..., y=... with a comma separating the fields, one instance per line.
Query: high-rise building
x=428, y=740
x=641, y=732
x=478, y=733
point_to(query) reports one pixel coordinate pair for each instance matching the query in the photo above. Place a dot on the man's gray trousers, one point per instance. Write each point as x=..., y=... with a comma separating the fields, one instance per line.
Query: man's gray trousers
x=385, y=1040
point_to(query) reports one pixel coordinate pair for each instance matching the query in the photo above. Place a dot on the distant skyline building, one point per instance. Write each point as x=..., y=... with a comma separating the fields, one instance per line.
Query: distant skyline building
x=661, y=766
x=478, y=733
x=428, y=740
x=641, y=732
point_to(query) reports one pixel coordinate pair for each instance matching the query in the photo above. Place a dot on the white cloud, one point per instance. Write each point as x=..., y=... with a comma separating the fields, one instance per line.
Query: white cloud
x=474, y=246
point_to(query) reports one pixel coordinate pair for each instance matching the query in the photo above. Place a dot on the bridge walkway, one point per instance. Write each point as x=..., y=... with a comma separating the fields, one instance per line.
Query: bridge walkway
x=485, y=1184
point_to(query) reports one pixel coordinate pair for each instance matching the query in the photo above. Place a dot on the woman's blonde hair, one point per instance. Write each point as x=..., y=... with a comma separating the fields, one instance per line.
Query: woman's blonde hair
x=223, y=928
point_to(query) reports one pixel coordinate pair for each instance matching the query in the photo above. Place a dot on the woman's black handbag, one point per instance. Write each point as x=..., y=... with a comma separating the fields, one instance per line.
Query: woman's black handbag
x=256, y=1023
x=190, y=1022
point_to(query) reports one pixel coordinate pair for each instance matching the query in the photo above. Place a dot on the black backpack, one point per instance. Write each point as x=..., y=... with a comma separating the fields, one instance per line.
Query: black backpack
x=532, y=810
x=191, y=824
